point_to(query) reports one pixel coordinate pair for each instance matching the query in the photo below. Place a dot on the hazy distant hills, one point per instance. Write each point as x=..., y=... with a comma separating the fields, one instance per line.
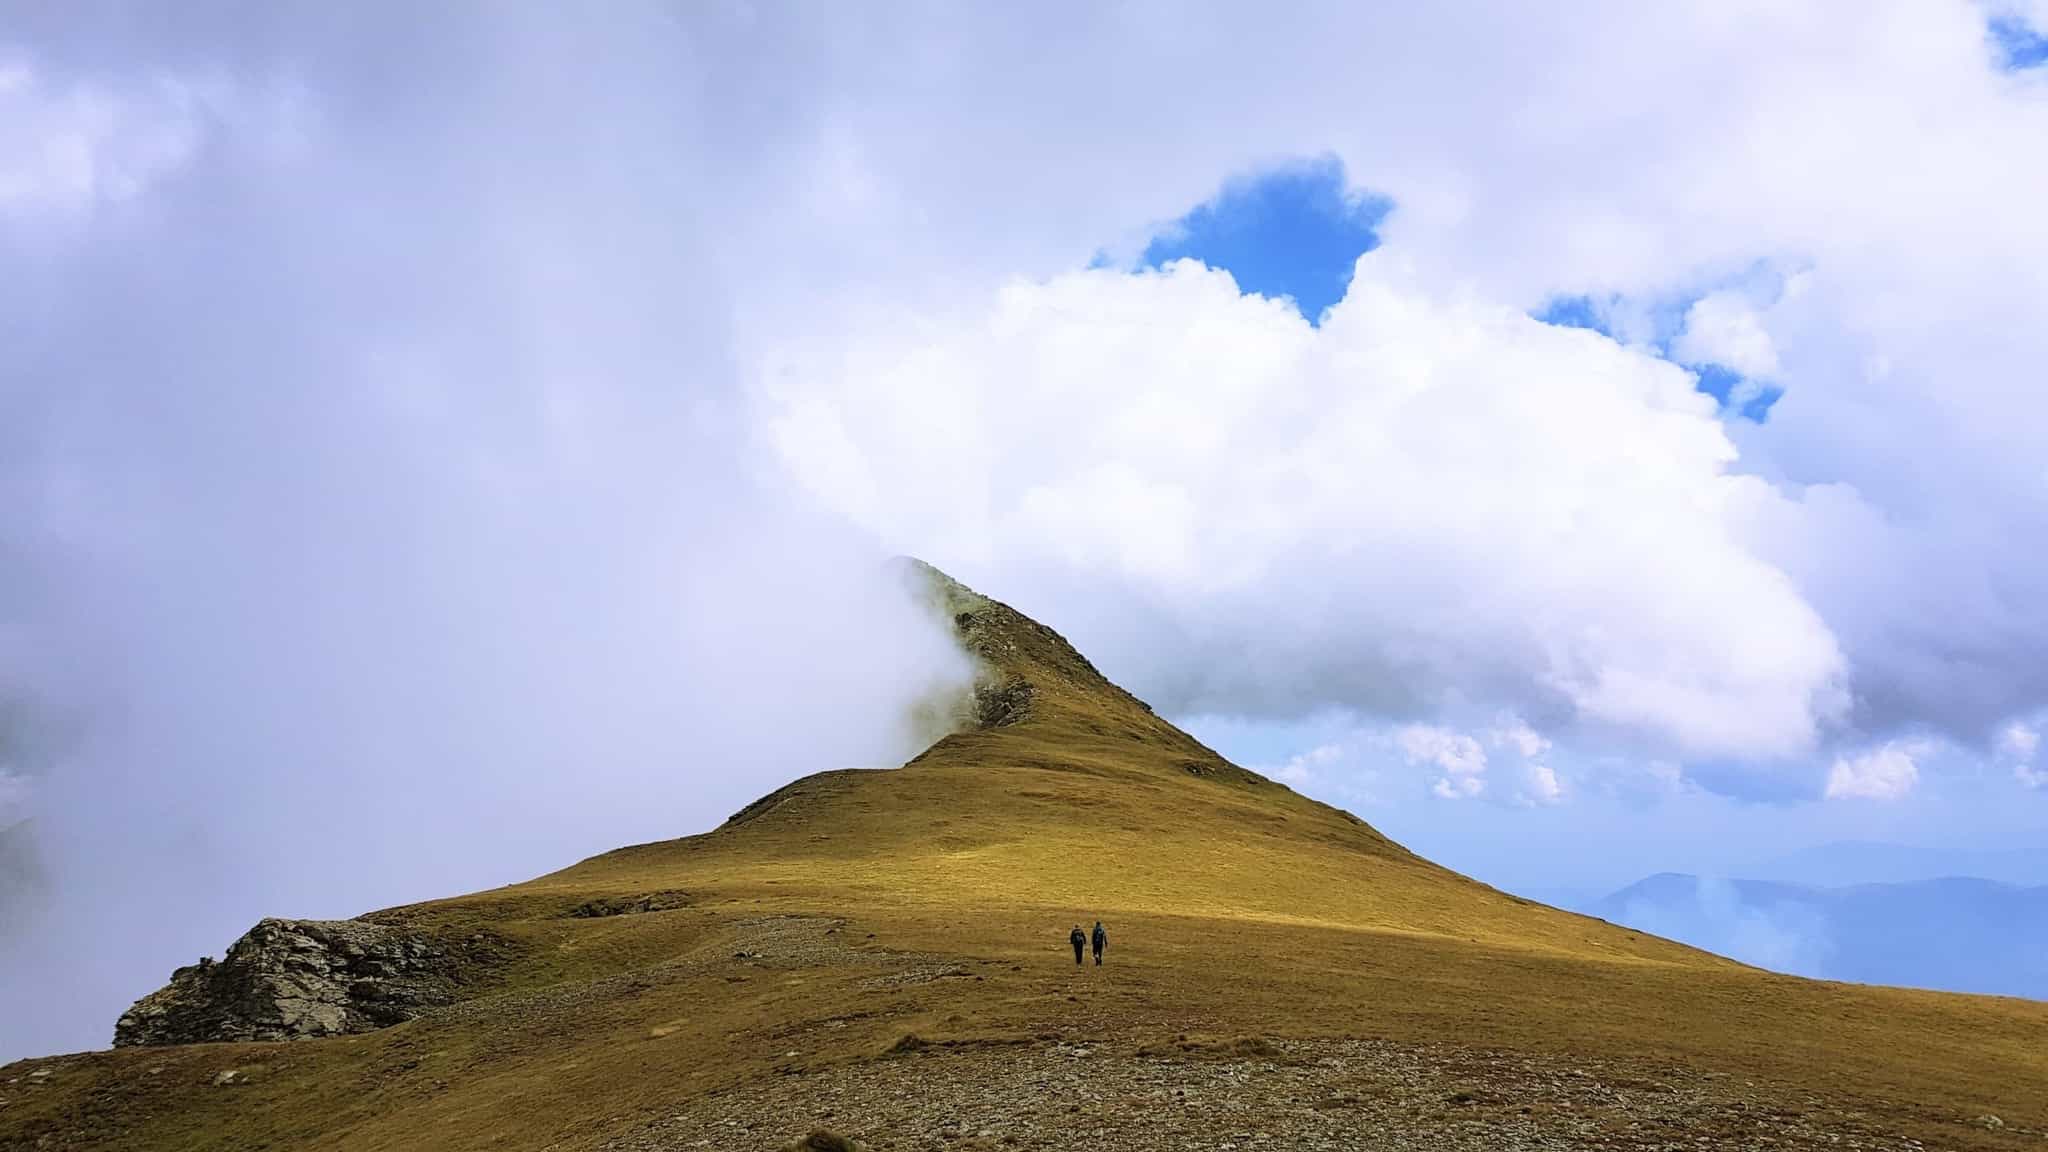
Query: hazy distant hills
x=1845, y=863
x=1954, y=934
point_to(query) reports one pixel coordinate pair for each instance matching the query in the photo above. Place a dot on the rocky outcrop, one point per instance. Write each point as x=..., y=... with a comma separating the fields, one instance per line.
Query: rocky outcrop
x=297, y=979
x=1001, y=701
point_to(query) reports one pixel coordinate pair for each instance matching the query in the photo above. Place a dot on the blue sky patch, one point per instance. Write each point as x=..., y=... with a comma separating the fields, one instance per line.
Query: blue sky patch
x=1575, y=312
x=1736, y=393
x=2019, y=46
x=1298, y=230
x=1294, y=231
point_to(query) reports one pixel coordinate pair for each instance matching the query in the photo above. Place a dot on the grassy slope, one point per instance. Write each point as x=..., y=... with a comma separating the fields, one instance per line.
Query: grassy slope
x=1235, y=906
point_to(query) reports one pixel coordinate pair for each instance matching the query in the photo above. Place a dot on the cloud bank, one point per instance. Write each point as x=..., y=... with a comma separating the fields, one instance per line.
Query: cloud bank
x=411, y=423
x=367, y=532
x=1428, y=504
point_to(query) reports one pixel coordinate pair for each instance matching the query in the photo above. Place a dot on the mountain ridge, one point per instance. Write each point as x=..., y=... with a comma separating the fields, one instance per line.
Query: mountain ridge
x=883, y=952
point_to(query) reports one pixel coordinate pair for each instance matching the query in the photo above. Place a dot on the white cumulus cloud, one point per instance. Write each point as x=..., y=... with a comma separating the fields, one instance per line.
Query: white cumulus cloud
x=1454, y=752
x=1458, y=756
x=1887, y=772
x=480, y=381
x=1724, y=328
x=1429, y=497
x=1457, y=787
x=1540, y=786
x=1514, y=733
x=1302, y=767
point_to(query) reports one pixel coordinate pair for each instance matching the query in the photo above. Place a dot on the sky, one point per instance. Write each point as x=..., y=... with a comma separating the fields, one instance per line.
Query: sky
x=437, y=446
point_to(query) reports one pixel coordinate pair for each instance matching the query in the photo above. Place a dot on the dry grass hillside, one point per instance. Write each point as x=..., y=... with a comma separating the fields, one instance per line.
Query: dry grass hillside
x=883, y=954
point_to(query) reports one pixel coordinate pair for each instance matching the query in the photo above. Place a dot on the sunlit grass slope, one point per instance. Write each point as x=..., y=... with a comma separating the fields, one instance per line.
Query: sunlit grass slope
x=1236, y=907
x=1082, y=798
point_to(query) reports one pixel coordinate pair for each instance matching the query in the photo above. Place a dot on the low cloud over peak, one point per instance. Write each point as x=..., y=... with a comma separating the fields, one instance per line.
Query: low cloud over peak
x=1429, y=500
x=488, y=406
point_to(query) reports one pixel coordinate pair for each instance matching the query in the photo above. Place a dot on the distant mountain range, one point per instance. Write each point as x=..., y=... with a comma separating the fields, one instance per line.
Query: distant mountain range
x=1843, y=863
x=1958, y=934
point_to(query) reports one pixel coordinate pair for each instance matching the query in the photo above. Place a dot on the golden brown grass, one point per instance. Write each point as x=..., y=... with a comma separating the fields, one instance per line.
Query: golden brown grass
x=1237, y=910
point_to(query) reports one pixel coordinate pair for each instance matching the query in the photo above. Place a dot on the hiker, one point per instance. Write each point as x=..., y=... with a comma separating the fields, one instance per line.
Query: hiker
x=1101, y=939
x=1077, y=940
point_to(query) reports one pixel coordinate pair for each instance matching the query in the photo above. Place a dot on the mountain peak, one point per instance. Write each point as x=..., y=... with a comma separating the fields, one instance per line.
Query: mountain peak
x=1026, y=671
x=905, y=930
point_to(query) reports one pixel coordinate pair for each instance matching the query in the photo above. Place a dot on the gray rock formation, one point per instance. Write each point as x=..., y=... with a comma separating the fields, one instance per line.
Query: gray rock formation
x=297, y=979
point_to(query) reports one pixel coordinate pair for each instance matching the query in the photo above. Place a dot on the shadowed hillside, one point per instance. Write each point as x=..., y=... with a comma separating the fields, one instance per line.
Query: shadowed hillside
x=884, y=953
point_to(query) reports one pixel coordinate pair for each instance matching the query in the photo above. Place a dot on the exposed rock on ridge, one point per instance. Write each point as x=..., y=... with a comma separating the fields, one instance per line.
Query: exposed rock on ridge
x=999, y=696
x=296, y=979
x=1024, y=669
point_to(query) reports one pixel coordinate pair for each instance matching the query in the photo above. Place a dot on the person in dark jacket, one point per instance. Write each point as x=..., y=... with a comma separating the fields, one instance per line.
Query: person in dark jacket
x=1078, y=941
x=1101, y=939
